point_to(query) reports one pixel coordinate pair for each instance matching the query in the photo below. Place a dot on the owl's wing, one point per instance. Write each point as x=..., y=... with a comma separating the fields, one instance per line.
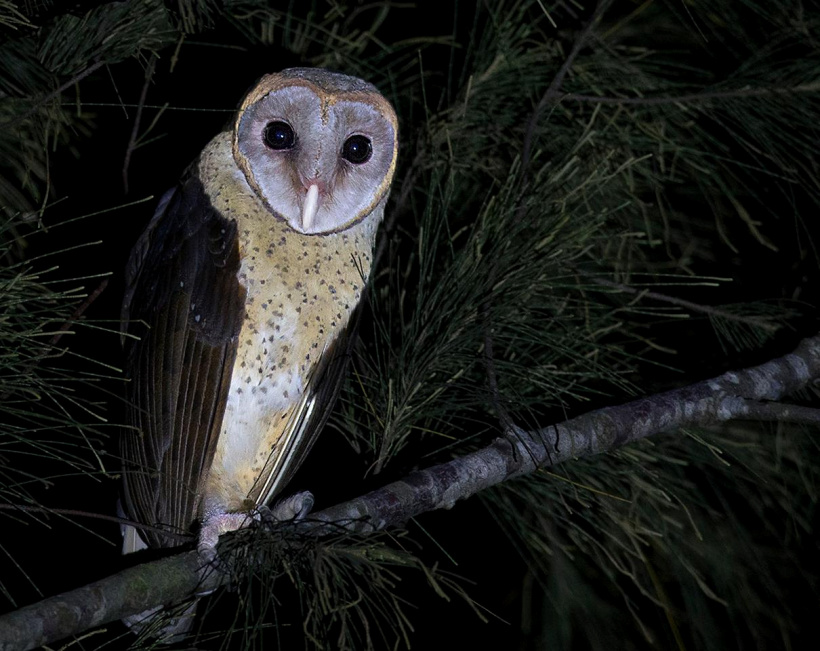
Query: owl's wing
x=181, y=281
x=309, y=416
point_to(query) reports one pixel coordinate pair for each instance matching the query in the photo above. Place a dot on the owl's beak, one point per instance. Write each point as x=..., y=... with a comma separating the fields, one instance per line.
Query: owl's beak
x=310, y=206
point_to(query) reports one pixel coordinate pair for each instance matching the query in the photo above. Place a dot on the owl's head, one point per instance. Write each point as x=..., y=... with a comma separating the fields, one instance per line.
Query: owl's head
x=318, y=147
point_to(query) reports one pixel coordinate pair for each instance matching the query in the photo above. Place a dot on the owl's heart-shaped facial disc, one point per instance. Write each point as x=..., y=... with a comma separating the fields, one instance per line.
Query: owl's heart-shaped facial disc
x=319, y=148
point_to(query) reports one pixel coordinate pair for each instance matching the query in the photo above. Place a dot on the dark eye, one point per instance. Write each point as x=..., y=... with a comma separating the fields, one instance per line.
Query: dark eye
x=279, y=135
x=357, y=149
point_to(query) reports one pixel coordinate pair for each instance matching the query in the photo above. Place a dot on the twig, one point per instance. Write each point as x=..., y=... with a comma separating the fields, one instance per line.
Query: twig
x=81, y=308
x=132, y=142
x=733, y=395
x=553, y=90
x=507, y=423
x=680, y=302
x=74, y=80
x=703, y=96
x=552, y=93
x=95, y=516
x=398, y=207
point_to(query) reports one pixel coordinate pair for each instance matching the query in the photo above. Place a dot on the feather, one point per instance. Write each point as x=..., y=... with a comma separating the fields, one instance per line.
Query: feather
x=181, y=282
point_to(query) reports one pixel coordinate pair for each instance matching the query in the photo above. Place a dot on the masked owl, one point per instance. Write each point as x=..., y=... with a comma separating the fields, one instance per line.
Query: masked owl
x=247, y=278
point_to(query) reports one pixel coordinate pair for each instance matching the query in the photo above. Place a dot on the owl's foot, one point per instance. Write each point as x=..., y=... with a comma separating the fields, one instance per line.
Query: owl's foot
x=294, y=507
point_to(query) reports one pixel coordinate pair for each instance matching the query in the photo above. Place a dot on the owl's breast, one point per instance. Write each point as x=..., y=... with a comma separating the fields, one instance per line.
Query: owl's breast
x=300, y=293
x=301, y=288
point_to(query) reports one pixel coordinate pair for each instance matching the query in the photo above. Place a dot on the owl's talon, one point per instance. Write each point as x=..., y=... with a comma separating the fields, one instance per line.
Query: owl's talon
x=264, y=516
x=294, y=507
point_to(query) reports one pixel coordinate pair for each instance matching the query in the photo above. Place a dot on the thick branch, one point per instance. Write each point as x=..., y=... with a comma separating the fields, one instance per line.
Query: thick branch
x=166, y=581
x=723, y=398
x=738, y=395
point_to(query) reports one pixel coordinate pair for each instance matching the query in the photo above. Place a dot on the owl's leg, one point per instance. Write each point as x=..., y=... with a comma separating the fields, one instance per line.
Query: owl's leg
x=213, y=526
x=294, y=507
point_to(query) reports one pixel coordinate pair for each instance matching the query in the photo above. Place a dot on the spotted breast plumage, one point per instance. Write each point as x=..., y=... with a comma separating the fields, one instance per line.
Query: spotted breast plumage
x=248, y=277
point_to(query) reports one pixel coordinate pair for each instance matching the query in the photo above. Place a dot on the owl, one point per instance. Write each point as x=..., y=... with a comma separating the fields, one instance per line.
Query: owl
x=248, y=277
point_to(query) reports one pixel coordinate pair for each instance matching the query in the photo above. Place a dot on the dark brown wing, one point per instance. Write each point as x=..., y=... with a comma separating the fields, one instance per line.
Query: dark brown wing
x=184, y=302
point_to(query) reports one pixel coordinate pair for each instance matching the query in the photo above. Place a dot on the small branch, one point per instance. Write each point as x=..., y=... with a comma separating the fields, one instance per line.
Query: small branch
x=553, y=94
x=492, y=377
x=507, y=422
x=94, y=516
x=81, y=308
x=737, y=395
x=553, y=91
x=703, y=96
x=132, y=142
x=759, y=322
x=56, y=93
x=399, y=207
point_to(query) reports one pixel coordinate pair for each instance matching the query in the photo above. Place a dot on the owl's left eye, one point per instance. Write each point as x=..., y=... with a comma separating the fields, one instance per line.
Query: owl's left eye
x=357, y=149
x=279, y=135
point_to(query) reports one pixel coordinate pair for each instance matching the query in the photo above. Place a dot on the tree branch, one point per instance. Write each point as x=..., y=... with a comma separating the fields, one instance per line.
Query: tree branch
x=726, y=397
x=166, y=581
x=737, y=395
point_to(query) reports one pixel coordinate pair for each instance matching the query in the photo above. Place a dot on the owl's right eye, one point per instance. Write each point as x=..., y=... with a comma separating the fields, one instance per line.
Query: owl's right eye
x=279, y=135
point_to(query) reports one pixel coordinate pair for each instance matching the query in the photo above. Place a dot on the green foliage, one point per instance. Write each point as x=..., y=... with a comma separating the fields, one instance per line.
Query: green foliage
x=535, y=253
x=574, y=264
x=683, y=534
x=349, y=589
x=569, y=227
x=47, y=423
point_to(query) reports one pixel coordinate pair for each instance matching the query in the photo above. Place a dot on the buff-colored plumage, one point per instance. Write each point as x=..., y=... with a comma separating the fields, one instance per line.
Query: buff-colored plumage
x=301, y=291
x=248, y=277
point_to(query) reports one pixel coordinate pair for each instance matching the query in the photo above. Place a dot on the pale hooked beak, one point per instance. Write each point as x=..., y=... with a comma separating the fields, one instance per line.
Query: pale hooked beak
x=310, y=206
